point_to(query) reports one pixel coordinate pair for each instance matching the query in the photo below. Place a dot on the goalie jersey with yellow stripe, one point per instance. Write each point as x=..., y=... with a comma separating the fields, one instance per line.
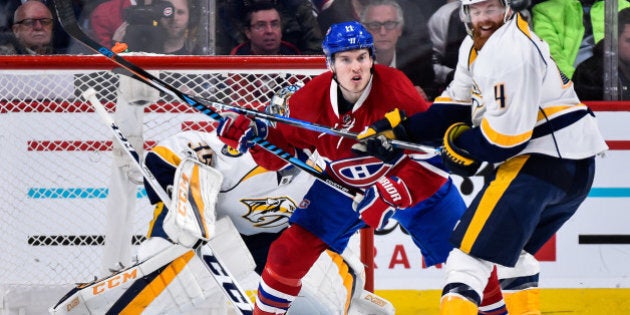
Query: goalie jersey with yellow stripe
x=256, y=199
x=519, y=106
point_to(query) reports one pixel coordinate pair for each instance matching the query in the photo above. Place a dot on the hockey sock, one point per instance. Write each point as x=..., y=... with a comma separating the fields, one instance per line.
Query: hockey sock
x=492, y=303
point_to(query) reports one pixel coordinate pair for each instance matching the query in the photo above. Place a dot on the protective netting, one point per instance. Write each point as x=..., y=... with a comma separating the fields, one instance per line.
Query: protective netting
x=57, y=157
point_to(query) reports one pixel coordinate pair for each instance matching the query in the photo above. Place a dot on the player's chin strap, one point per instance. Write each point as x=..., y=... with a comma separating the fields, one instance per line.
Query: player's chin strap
x=224, y=278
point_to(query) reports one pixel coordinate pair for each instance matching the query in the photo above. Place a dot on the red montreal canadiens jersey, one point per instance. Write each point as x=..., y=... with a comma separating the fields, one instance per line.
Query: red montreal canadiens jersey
x=317, y=103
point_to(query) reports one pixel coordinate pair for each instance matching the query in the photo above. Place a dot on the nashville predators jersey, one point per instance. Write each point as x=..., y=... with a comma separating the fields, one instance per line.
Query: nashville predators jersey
x=256, y=199
x=523, y=103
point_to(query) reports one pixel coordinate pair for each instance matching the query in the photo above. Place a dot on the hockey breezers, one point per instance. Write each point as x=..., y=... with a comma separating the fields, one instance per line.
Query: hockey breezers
x=224, y=278
x=69, y=22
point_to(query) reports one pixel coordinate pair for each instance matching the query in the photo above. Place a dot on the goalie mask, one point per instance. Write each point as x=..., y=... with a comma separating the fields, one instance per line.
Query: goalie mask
x=278, y=104
x=202, y=152
x=346, y=36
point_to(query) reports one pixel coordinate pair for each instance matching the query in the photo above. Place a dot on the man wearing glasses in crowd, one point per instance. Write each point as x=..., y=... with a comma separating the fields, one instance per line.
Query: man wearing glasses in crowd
x=33, y=29
x=384, y=20
x=263, y=28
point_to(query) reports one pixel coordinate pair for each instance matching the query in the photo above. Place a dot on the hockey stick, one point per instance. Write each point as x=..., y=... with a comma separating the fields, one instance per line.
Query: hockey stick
x=69, y=22
x=224, y=278
x=317, y=127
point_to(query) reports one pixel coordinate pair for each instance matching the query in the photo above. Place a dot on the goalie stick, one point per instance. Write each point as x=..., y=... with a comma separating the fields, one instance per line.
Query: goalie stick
x=224, y=278
x=69, y=22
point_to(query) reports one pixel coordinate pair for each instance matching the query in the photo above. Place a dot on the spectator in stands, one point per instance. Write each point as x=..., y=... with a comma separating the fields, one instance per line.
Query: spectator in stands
x=414, y=45
x=299, y=24
x=32, y=30
x=447, y=32
x=181, y=30
x=112, y=22
x=106, y=21
x=589, y=75
x=571, y=28
x=263, y=28
x=384, y=20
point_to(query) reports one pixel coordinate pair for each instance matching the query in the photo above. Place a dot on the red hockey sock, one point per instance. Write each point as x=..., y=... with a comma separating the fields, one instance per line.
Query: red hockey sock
x=492, y=303
x=290, y=258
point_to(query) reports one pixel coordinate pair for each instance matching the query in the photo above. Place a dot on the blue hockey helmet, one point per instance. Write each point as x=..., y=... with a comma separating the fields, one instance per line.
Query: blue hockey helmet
x=346, y=36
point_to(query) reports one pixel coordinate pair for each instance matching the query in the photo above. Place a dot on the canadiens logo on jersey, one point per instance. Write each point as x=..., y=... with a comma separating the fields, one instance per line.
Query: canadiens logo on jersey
x=269, y=212
x=359, y=171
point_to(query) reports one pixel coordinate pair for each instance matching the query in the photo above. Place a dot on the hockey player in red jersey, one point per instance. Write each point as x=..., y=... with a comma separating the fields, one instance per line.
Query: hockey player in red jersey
x=410, y=187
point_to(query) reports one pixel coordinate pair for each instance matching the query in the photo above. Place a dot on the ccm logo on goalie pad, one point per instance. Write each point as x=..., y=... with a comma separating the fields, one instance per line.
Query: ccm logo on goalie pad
x=100, y=286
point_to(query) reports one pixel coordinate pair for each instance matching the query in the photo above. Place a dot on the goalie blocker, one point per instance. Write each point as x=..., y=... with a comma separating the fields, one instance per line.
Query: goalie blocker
x=196, y=188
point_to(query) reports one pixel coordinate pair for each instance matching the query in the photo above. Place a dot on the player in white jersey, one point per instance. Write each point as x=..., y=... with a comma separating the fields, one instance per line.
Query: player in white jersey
x=259, y=202
x=170, y=279
x=511, y=106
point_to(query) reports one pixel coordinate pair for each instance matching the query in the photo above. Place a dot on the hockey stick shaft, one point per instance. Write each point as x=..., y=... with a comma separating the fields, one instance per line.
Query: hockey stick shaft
x=224, y=278
x=70, y=25
x=319, y=128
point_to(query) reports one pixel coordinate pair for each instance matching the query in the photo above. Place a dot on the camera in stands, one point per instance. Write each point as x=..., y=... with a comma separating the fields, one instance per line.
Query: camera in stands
x=148, y=14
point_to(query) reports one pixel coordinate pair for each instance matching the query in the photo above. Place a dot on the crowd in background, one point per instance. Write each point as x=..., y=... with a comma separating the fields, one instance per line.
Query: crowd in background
x=421, y=38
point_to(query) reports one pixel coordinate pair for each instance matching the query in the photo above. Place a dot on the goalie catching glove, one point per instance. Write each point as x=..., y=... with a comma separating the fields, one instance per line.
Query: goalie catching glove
x=380, y=201
x=456, y=159
x=238, y=131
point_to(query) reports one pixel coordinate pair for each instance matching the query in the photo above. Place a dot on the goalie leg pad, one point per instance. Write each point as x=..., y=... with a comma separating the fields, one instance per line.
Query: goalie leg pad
x=172, y=281
x=113, y=293
x=326, y=288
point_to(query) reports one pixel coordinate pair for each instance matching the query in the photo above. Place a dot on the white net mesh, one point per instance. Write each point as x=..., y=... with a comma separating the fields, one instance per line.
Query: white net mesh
x=57, y=156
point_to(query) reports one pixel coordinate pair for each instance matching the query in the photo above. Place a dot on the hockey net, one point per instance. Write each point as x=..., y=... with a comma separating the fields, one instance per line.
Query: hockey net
x=57, y=155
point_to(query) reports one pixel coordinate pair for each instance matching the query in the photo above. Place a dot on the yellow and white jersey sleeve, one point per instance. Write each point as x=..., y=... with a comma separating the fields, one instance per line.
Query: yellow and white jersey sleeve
x=524, y=99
